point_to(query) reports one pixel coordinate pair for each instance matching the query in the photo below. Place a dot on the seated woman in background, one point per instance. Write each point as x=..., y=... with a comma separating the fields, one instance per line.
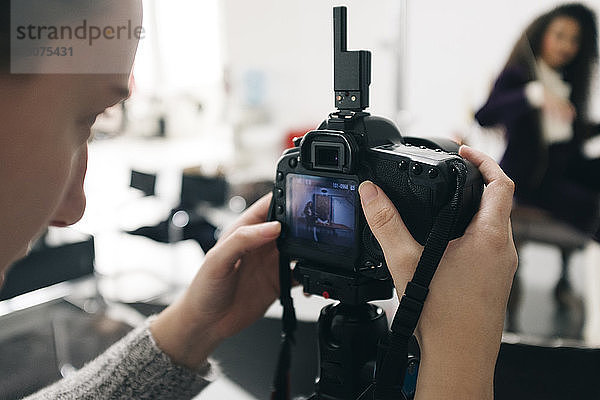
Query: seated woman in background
x=541, y=99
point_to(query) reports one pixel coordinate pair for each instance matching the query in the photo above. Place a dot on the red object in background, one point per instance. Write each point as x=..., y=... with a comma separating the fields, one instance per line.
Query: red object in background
x=290, y=135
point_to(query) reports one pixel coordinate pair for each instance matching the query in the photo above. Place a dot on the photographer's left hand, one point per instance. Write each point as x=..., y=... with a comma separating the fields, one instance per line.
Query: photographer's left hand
x=238, y=281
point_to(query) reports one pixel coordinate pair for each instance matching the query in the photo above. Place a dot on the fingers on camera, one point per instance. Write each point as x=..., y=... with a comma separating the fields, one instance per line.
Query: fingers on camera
x=499, y=191
x=385, y=221
x=380, y=212
x=244, y=240
x=255, y=214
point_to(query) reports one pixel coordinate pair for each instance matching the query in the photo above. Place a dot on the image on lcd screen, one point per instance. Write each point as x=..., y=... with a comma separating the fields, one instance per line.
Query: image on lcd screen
x=321, y=210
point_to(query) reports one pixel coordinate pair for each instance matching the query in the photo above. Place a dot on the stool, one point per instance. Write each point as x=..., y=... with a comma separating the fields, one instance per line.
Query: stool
x=532, y=224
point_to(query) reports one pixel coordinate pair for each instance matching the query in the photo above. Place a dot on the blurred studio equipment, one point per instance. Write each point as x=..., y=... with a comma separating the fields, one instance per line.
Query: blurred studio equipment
x=187, y=219
x=207, y=204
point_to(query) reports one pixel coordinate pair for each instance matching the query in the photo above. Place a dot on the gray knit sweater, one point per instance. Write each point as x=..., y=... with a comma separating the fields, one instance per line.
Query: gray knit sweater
x=133, y=368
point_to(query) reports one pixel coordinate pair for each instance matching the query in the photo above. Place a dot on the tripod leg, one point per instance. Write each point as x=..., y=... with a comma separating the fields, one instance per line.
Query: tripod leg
x=348, y=339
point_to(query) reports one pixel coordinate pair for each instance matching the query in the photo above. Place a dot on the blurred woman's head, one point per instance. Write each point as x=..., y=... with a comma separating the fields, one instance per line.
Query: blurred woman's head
x=565, y=36
x=561, y=42
x=566, y=39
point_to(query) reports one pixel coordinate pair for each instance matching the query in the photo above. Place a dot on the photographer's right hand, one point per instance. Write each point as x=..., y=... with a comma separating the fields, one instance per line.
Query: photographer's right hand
x=461, y=324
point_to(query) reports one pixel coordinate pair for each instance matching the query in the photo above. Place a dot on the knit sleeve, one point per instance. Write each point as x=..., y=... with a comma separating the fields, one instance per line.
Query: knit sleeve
x=133, y=368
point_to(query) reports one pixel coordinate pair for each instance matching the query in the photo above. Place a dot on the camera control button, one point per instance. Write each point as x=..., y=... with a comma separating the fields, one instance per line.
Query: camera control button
x=403, y=165
x=293, y=162
x=279, y=176
x=417, y=169
x=279, y=209
x=433, y=173
x=279, y=193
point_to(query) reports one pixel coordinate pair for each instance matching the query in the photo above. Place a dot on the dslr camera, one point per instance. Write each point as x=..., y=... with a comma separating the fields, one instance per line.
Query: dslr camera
x=315, y=196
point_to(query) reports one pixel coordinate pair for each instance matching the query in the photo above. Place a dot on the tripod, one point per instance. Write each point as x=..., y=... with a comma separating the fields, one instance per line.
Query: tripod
x=349, y=333
x=348, y=338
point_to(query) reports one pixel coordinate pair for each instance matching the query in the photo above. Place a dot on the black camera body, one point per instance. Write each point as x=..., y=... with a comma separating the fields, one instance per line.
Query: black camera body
x=316, y=195
x=316, y=199
x=329, y=248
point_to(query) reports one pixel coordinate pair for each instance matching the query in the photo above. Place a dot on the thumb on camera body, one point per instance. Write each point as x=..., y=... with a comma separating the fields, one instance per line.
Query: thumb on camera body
x=401, y=250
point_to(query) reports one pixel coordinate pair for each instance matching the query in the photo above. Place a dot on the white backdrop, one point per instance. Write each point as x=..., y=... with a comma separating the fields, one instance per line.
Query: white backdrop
x=453, y=52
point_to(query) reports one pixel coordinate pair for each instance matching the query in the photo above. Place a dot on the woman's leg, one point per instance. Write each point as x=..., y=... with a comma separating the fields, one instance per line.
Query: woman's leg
x=586, y=172
x=571, y=202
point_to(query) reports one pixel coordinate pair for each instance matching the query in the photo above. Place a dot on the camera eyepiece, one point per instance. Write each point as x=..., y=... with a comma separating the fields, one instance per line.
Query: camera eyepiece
x=327, y=156
x=327, y=151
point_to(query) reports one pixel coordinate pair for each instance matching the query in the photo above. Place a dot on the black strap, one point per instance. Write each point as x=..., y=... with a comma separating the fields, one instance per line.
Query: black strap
x=392, y=355
x=281, y=383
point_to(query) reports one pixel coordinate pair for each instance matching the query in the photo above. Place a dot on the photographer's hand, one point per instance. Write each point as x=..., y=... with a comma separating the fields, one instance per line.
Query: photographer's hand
x=461, y=325
x=236, y=284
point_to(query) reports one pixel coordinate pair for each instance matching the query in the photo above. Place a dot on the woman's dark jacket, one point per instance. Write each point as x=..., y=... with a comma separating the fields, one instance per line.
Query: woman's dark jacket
x=540, y=172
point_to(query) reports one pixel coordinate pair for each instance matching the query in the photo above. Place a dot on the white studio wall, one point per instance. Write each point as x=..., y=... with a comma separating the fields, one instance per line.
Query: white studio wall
x=279, y=54
x=433, y=61
x=267, y=64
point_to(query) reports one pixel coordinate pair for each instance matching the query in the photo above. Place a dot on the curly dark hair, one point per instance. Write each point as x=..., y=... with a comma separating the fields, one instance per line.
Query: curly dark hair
x=578, y=73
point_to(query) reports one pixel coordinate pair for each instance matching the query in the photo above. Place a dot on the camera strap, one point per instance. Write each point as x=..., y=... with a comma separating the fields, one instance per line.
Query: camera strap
x=281, y=383
x=392, y=357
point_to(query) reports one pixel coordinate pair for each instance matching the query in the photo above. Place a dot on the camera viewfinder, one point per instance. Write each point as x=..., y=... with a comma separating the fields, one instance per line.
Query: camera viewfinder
x=329, y=156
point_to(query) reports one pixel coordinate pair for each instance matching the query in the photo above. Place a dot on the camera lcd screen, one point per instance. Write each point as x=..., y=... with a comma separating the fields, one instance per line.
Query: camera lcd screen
x=321, y=211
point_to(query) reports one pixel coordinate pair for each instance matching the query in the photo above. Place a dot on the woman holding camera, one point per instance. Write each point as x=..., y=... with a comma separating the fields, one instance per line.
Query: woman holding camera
x=46, y=120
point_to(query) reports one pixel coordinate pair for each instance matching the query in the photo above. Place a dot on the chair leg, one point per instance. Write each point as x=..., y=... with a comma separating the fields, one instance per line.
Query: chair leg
x=563, y=288
x=566, y=257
